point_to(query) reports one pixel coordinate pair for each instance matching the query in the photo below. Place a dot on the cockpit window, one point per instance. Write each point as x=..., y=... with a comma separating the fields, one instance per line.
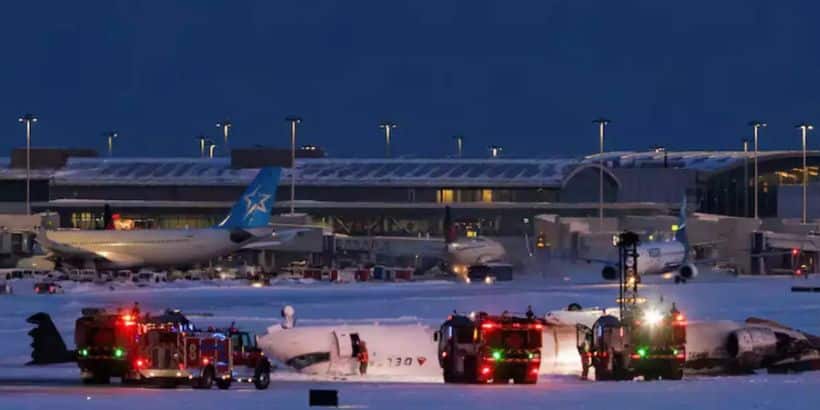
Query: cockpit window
x=308, y=359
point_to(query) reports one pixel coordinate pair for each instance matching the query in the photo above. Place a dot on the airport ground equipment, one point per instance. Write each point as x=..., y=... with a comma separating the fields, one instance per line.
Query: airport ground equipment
x=645, y=340
x=480, y=348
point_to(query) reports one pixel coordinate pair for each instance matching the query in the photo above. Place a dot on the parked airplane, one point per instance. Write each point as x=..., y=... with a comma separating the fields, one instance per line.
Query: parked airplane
x=461, y=253
x=248, y=221
x=659, y=257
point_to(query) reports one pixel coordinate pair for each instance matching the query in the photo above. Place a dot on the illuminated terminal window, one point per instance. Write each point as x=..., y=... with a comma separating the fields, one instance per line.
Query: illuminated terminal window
x=486, y=195
x=445, y=196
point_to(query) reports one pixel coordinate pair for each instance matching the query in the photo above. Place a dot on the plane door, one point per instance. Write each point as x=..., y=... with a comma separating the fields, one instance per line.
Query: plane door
x=347, y=343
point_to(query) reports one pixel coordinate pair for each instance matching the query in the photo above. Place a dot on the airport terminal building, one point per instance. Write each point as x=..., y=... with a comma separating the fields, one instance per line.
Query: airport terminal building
x=498, y=197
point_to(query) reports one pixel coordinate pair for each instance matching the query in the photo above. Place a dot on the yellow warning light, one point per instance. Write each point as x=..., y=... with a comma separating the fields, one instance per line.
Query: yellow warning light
x=675, y=228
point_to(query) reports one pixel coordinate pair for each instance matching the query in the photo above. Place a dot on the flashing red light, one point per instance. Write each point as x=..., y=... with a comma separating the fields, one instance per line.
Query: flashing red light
x=798, y=272
x=488, y=325
x=485, y=370
x=680, y=317
x=537, y=326
x=795, y=252
x=635, y=356
x=205, y=361
x=680, y=356
x=443, y=354
x=140, y=363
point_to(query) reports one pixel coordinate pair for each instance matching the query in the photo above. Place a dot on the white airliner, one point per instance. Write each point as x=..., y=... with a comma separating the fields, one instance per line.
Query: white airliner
x=461, y=253
x=247, y=222
x=659, y=257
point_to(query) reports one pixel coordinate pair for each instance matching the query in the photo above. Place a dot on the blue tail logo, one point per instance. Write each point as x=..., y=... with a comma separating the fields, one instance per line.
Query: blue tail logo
x=253, y=209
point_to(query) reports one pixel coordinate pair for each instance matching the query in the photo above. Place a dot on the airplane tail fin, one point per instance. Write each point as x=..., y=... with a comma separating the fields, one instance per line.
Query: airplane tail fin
x=108, y=218
x=680, y=232
x=47, y=345
x=449, y=228
x=253, y=208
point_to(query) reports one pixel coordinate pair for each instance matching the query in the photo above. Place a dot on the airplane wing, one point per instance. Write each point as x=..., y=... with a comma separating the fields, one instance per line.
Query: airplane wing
x=276, y=238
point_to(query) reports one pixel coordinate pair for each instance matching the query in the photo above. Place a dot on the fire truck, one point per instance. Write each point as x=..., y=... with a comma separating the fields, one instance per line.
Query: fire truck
x=647, y=342
x=480, y=348
x=250, y=363
x=171, y=355
x=106, y=344
x=644, y=340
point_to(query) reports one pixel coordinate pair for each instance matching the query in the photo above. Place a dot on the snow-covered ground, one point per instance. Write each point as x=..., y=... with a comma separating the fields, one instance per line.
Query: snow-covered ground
x=714, y=297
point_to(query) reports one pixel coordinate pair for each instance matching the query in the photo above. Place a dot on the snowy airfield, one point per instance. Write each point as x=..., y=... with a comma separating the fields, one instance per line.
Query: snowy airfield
x=709, y=297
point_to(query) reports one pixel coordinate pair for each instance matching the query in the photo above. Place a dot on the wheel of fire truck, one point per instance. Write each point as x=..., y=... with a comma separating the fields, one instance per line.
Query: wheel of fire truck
x=619, y=370
x=261, y=375
x=673, y=372
x=97, y=378
x=603, y=368
x=205, y=380
x=223, y=384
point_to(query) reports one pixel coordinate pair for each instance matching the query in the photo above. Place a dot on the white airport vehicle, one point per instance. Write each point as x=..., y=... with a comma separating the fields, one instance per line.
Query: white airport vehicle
x=247, y=222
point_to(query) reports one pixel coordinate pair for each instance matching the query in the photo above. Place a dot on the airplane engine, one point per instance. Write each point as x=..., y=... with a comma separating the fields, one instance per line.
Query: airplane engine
x=609, y=272
x=688, y=271
x=752, y=346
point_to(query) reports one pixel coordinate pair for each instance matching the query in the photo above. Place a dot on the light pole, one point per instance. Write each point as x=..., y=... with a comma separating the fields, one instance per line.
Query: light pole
x=110, y=135
x=225, y=126
x=202, y=139
x=387, y=126
x=293, y=120
x=756, y=126
x=459, y=145
x=745, y=177
x=28, y=119
x=602, y=123
x=211, y=148
x=804, y=130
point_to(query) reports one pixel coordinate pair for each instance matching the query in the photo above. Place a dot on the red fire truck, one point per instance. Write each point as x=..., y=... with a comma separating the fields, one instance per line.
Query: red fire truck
x=169, y=356
x=481, y=348
x=106, y=344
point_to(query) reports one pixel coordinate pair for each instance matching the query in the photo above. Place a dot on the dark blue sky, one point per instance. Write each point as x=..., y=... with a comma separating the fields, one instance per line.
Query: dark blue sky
x=529, y=75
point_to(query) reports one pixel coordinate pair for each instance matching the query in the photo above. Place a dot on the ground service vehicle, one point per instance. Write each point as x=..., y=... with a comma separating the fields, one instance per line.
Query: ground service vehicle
x=484, y=349
x=646, y=343
x=106, y=345
x=47, y=288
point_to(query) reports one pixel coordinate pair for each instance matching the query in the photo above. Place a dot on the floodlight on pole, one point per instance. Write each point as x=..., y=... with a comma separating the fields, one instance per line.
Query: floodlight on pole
x=804, y=130
x=110, y=137
x=225, y=126
x=211, y=148
x=202, y=139
x=495, y=150
x=459, y=145
x=293, y=120
x=746, y=177
x=756, y=126
x=388, y=127
x=602, y=123
x=28, y=119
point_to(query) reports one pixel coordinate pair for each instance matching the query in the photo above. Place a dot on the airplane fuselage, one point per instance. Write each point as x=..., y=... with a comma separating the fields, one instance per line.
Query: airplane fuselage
x=132, y=249
x=660, y=257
